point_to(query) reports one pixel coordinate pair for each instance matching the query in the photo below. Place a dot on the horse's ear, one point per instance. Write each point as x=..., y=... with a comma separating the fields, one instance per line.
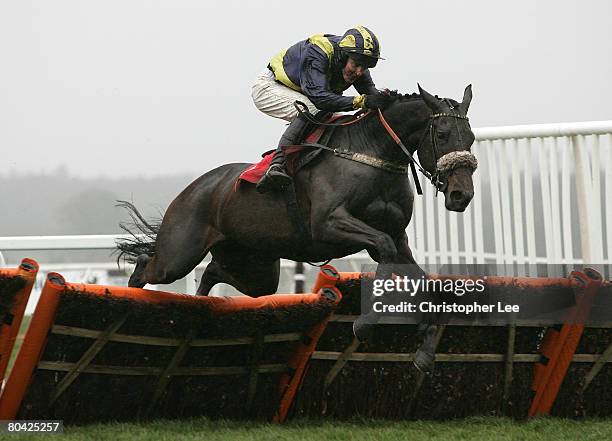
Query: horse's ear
x=432, y=102
x=467, y=98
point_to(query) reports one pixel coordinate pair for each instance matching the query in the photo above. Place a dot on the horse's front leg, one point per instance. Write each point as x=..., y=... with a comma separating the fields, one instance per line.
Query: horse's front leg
x=424, y=357
x=342, y=228
x=404, y=263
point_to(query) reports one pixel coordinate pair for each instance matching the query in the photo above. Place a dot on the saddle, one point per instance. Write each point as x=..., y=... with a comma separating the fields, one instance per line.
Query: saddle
x=296, y=156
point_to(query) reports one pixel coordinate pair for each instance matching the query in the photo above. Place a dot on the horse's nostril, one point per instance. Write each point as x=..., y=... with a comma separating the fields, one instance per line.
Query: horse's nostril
x=457, y=196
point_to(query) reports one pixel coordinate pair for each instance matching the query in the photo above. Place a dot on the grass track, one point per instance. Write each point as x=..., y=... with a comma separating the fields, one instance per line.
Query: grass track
x=469, y=429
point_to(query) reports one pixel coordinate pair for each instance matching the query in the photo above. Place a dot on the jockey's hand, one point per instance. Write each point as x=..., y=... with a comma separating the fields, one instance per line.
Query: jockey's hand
x=378, y=101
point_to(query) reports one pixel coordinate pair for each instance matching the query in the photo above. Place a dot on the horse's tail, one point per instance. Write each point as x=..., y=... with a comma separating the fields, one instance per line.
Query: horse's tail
x=143, y=233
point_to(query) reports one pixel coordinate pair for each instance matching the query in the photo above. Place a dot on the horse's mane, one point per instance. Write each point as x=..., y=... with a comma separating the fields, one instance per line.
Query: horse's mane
x=400, y=97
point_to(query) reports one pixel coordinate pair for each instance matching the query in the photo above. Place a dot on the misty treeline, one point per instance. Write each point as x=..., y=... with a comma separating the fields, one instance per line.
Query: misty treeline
x=57, y=203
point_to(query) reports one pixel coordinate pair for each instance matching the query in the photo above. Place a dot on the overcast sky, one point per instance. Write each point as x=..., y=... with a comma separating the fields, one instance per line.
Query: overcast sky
x=141, y=88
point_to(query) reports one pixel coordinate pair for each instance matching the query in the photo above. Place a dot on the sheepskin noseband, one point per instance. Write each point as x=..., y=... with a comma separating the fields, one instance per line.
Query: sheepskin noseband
x=454, y=160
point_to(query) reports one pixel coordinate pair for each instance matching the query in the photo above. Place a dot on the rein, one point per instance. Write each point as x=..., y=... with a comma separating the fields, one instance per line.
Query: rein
x=413, y=162
x=392, y=167
x=309, y=116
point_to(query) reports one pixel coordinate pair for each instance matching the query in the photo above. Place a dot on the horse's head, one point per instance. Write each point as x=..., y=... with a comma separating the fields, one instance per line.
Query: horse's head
x=444, y=148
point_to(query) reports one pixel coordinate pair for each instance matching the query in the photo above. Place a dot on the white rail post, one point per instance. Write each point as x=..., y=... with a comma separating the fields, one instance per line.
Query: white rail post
x=583, y=182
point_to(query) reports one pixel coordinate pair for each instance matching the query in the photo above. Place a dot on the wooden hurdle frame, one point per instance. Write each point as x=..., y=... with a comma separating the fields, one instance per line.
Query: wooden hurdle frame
x=561, y=340
x=42, y=325
x=11, y=322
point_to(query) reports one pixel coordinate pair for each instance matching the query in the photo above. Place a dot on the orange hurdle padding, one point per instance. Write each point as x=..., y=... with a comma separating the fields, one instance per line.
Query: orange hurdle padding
x=55, y=286
x=327, y=277
x=348, y=276
x=10, y=327
x=549, y=378
x=290, y=383
x=219, y=305
x=32, y=347
x=546, y=350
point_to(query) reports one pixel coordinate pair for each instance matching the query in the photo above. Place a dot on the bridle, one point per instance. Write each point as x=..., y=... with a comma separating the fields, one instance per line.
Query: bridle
x=431, y=130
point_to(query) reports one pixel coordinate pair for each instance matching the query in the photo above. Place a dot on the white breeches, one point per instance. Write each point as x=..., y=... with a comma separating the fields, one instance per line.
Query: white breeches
x=276, y=99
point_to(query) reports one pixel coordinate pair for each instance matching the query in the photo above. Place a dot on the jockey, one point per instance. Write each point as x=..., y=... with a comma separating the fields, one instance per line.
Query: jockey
x=316, y=71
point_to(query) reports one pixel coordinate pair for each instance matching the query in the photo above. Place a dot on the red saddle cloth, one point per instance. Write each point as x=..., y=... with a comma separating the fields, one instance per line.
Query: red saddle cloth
x=254, y=172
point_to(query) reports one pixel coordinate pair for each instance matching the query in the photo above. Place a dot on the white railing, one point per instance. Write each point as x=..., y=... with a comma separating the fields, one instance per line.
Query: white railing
x=540, y=197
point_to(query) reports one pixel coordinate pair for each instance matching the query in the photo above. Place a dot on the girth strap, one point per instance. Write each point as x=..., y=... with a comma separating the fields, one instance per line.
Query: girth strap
x=297, y=220
x=392, y=167
x=295, y=216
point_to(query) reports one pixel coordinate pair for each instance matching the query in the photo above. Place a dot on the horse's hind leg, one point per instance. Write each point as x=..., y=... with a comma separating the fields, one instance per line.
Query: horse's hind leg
x=252, y=277
x=178, y=250
x=136, y=279
x=213, y=274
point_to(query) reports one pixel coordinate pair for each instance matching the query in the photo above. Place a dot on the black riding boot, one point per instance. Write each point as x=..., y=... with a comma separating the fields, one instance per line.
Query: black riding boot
x=276, y=177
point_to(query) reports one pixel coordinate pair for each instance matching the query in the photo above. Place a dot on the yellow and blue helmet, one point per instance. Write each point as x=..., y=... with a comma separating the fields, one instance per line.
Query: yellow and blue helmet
x=362, y=42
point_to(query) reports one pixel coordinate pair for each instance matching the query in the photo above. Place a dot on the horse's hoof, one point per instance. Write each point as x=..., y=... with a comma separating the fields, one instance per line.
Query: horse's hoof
x=424, y=361
x=362, y=330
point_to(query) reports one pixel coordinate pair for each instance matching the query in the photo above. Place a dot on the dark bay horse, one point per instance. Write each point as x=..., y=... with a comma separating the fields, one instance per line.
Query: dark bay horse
x=347, y=206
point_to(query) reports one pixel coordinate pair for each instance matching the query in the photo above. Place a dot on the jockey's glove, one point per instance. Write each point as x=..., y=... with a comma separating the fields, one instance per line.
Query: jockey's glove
x=376, y=101
x=358, y=102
